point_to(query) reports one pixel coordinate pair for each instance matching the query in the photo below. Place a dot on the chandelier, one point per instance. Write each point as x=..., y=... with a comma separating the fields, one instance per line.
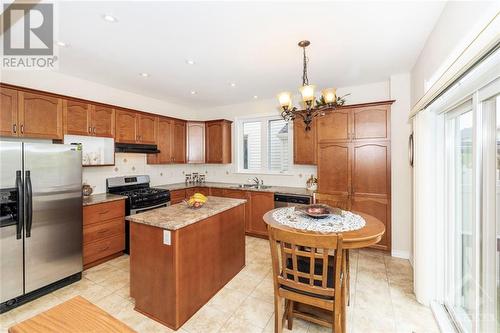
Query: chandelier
x=313, y=107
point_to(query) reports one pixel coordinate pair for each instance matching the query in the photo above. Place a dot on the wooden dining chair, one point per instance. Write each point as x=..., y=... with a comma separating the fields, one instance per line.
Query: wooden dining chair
x=308, y=277
x=337, y=201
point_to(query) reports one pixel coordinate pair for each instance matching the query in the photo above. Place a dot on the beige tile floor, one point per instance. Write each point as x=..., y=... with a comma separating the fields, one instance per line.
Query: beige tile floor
x=381, y=298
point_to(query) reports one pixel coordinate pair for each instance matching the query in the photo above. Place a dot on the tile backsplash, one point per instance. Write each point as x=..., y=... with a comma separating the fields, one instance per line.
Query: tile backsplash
x=135, y=164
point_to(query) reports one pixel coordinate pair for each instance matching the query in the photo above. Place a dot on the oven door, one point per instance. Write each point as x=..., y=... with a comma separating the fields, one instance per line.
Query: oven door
x=145, y=209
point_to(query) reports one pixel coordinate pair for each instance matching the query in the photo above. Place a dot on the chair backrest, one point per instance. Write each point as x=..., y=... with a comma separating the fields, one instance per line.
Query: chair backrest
x=336, y=201
x=306, y=262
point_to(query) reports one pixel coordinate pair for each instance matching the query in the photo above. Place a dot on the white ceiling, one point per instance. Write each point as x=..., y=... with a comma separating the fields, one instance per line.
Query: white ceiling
x=253, y=44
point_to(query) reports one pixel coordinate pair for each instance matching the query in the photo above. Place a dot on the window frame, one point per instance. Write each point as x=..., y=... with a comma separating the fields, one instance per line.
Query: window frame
x=264, y=120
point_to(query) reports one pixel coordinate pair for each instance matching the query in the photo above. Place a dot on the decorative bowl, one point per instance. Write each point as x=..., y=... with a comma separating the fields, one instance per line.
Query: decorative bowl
x=319, y=211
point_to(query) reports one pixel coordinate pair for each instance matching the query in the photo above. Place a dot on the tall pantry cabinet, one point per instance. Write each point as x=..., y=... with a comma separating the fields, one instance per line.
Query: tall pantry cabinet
x=354, y=160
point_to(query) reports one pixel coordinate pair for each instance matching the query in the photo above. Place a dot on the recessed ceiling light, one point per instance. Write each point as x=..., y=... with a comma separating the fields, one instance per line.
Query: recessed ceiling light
x=233, y=84
x=61, y=44
x=109, y=18
x=193, y=92
x=144, y=74
x=255, y=96
x=190, y=62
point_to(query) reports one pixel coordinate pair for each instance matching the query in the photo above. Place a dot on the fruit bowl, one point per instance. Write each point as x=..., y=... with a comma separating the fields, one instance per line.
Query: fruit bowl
x=196, y=201
x=319, y=210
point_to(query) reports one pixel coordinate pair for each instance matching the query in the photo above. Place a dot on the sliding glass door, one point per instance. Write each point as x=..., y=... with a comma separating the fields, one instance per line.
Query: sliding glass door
x=460, y=207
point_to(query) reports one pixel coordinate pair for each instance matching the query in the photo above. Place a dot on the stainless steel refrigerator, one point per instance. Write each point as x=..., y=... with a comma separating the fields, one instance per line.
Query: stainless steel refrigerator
x=41, y=220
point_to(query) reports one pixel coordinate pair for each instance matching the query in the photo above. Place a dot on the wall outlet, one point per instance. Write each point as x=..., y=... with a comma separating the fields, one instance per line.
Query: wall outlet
x=167, y=237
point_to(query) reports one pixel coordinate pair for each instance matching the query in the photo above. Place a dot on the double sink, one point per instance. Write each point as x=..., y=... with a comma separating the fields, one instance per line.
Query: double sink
x=255, y=186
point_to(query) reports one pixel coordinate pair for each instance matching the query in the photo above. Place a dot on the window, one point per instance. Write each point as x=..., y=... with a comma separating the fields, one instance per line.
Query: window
x=264, y=145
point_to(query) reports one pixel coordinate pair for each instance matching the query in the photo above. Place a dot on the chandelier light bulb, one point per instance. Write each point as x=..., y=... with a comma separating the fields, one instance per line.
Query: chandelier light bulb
x=307, y=93
x=285, y=99
x=329, y=95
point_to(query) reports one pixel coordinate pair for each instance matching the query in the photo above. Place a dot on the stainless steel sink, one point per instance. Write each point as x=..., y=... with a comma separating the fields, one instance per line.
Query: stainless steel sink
x=262, y=187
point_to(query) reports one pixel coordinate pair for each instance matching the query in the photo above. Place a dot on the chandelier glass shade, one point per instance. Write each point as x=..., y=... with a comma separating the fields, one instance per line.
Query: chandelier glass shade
x=313, y=107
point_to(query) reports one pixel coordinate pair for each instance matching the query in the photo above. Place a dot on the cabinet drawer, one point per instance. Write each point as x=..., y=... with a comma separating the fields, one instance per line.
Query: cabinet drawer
x=103, y=211
x=99, y=231
x=177, y=196
x=103, y=248
x=216, y=192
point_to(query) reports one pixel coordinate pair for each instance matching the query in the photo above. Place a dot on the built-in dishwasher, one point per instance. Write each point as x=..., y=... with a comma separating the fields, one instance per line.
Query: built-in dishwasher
x=289, y=200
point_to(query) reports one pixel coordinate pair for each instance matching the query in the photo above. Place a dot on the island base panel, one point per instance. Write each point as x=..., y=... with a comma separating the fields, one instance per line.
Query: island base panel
x=171, y=282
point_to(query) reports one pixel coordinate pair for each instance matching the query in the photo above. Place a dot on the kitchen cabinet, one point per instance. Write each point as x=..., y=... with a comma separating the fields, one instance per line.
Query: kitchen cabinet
x=77, y=118
x=218, y=141
x=260, y=203
x=304, y=142
x=354, y=151
x=164, y=141
x=216, y=192
x=334, y=126
x=103, y=232
x=40, y=116
x=86, y=119
x=179, y=141
x=135, y=127
x=147, y=129
x=103, y=121
x=176, y=196
x=8, y=112
x=203, y=190
x=126, y=126
x=239, y=194
x=195, y=142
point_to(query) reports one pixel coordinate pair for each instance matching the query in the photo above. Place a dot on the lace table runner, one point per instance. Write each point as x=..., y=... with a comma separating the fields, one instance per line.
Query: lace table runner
x=347, y=221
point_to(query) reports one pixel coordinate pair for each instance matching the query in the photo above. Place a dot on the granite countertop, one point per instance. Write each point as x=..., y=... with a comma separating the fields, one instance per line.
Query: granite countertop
x=180, y=215
x=234, y=186
x=101, y=198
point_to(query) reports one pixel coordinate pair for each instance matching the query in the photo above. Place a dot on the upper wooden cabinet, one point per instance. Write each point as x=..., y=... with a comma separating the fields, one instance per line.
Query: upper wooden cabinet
x=40, y=116
x=103, y=121
x=179, y=141
x=136, y=127
x=304, y=142
x=148, y=126
x=195, y=142
x=77, y=118
x=8, y=112
x=171, y=141
x=126, y=126
x=371, y=170
x=86, y=119
x=334, y=168
x=334, y=126
x=372, y=122
x=218, y=141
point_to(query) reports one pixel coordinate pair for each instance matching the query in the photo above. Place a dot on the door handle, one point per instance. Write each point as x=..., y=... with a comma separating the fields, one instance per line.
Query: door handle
x=20, y=205
x=411, y=149
x=29, y=203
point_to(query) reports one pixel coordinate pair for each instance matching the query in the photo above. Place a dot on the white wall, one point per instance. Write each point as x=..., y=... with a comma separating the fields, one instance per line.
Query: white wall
x=400, y=168
x=458, y=25
x=63, y=84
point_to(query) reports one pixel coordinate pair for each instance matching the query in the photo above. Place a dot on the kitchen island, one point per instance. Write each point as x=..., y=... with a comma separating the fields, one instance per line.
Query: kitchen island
x=181, y=257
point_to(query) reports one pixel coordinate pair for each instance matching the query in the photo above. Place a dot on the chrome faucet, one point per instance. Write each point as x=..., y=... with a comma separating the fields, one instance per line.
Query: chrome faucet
x=258, y=181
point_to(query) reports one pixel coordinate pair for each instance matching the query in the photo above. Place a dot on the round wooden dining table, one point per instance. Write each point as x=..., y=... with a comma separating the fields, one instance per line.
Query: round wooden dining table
x=369, y=235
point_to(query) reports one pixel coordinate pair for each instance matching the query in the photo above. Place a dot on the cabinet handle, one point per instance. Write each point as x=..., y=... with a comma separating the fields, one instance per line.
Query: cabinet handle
x=102, y=231
x=104, y=248
x=22, y=129
x=90, y=130
x=94, y=131
x=14, y=128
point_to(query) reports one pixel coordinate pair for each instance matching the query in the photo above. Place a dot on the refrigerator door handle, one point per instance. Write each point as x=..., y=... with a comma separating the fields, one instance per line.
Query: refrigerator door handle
x=29, y=203
x=20, y=204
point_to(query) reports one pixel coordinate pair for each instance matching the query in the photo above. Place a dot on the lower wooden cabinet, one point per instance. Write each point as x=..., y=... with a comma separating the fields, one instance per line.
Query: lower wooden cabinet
x=103, y=232
x=176, y=196
x=377, y=207
x=216, y=192
x=260, y=203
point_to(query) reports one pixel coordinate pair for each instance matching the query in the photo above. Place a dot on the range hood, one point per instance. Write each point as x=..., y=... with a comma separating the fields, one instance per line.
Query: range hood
x=136, y=148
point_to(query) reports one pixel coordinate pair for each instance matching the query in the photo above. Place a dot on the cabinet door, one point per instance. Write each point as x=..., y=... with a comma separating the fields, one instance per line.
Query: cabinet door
x=214, y=142
x=126, y=126
x=179, y=142
x=216, y=192
x=341, y=201
x=334, y=171
x=371, y=123
x=261, y=203
x=334, y=126
x=238, y=194
x=103, y=121
x=8, y=112
x=304, y=142
x=77, y=118
x=164, y=141
x=371, y=170
x=176, y=196
x=40, y=116
x=379, y=208
x=195, y=142
x=147, y=129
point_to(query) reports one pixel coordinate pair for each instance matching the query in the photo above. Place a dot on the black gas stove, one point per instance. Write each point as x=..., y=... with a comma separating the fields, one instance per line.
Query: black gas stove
x=140, y=197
